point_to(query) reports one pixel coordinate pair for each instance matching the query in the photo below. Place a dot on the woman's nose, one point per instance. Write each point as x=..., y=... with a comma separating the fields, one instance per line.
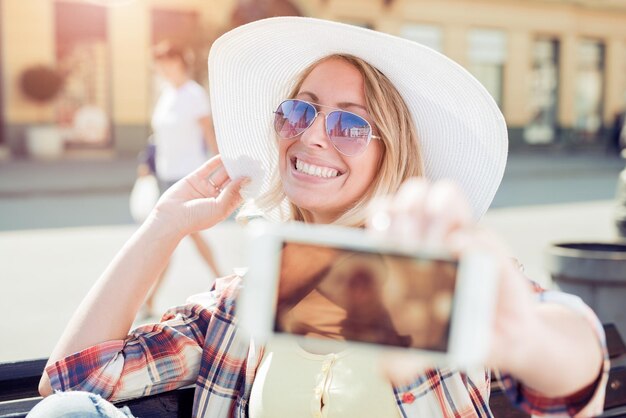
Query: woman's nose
x=315, y=135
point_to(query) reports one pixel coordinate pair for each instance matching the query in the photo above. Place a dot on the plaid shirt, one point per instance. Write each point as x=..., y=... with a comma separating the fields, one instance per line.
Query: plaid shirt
x=199, y=343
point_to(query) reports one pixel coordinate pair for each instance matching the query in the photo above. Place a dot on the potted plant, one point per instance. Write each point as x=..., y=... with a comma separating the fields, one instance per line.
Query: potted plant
x=42, y=84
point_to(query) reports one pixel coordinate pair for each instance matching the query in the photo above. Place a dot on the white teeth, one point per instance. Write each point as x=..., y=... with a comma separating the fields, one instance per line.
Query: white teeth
x=314, y=170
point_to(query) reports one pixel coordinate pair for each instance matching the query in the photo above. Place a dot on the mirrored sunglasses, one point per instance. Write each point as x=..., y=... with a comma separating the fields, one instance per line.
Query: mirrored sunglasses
x=349, y=133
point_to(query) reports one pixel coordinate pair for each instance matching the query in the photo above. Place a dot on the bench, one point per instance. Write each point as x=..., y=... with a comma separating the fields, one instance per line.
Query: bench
x=19, y=381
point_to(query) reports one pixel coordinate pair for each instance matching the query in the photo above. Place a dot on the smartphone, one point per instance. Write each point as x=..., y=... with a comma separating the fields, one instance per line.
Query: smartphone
x=327, y=283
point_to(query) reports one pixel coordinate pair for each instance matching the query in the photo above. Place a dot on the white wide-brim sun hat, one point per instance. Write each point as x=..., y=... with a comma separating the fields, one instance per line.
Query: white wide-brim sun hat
x=461, y=130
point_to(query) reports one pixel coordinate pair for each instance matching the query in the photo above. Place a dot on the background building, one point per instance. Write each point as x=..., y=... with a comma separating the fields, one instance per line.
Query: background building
x=557, y=68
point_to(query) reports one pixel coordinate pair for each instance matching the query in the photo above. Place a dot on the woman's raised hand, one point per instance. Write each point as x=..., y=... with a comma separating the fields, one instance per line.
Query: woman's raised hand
x=425, y=213
x=199, y=200
x=551, y=348
x=437, y=215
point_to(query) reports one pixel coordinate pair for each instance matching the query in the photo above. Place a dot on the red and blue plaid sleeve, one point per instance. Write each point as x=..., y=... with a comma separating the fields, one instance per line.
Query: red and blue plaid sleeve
x=153, y=358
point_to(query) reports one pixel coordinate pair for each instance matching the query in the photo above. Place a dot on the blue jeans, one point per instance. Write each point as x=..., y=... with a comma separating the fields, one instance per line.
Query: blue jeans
x=77, y=404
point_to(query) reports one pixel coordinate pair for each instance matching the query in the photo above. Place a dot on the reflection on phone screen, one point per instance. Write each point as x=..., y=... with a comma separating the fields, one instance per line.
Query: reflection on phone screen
x=343, y=294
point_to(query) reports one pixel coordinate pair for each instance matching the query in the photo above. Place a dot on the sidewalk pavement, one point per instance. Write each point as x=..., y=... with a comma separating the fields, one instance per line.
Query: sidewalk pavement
x=45, y=273
x=27, y=178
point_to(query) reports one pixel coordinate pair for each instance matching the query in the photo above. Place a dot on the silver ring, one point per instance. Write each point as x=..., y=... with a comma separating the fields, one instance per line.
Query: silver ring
x=217, y=188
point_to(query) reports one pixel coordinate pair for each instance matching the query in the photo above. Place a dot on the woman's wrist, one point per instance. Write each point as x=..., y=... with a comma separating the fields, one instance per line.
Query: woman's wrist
x=163, y=229
x=549, y=360
x=527, y=344
x=524, y=342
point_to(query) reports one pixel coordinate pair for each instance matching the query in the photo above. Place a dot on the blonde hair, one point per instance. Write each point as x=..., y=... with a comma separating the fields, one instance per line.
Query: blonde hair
x=401, y=156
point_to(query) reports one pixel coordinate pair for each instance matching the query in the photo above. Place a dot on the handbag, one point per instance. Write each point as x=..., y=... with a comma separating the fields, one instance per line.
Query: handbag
x=143, y=197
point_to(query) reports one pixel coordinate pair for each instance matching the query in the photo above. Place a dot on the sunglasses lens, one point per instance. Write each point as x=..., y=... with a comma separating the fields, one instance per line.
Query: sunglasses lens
x=348, y=132
x=292, y=118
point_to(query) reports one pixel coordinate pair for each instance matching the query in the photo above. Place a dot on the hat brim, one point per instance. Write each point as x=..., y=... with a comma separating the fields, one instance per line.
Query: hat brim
x=462, y=133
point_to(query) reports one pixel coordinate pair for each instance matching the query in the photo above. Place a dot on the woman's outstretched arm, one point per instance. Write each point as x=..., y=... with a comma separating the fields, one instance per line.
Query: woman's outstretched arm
x=551, y=344
x=108, y=310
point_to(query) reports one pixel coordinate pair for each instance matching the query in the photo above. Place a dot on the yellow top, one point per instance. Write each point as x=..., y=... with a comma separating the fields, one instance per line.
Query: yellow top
x=294, y=382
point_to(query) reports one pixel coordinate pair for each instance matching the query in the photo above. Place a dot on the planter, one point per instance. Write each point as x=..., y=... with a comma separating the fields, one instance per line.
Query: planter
x=596, y=272
x=44, y=142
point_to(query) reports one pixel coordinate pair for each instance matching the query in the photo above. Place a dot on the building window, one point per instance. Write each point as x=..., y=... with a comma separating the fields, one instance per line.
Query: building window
x=428, y=35
x=544, y=85
x=84, y=107
x=487, y=55
x=589, y=89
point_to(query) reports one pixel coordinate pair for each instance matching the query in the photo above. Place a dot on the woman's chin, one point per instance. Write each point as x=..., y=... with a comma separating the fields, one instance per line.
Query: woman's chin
x=309, y=205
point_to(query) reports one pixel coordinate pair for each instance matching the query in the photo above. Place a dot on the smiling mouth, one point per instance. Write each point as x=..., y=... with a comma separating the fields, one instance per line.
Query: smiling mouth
x=314, y=170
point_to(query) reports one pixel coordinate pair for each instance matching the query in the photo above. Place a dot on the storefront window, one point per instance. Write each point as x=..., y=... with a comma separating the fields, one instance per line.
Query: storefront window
x=544, y=84
x=487, y=56
x=82, y=53
x=589, y=89
x=428, y=35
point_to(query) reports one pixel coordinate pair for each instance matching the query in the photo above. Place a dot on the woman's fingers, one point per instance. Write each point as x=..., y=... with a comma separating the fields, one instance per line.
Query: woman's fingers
x=210, y=178
x=426, y=213
x=446, y=210
x=438, y=215
x=407, y=210
x=208, y=167
x=218, y=178
x=230, y=197
x=206, y=212
x=412, y=194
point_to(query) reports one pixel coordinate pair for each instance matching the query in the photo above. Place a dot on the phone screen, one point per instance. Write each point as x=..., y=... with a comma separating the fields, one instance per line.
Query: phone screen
x=370, y=297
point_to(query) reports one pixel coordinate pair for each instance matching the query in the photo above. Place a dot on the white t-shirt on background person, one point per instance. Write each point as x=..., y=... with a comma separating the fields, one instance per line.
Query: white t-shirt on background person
x=178, y=135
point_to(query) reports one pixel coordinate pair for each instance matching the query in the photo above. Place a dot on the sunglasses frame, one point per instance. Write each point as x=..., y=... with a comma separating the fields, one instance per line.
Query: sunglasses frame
x=370, y=136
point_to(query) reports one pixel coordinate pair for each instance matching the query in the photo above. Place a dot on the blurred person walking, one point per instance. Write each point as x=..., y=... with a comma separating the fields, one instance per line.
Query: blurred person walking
x=183, y=134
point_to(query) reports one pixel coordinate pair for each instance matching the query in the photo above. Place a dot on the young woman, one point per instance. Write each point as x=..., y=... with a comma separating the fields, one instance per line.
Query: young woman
x=183, y=129
x=358, y=115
